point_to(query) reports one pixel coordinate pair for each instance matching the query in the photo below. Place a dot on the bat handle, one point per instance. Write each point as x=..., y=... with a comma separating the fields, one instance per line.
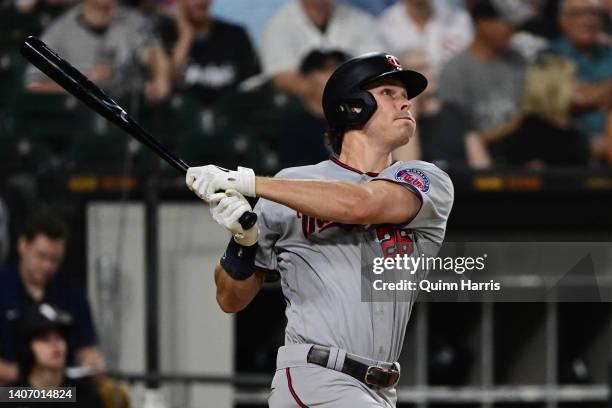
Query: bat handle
x=247, y=220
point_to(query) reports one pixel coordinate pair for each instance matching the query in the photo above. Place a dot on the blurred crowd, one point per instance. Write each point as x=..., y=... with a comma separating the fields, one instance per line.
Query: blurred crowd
x=47, y=333
x=512, y=82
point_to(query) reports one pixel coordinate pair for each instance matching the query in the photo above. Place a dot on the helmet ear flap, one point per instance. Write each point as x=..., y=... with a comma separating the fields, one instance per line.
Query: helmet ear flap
x=366, y=104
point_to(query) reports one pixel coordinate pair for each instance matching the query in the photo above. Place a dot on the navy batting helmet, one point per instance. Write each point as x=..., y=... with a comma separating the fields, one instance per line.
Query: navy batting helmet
x=346, y=88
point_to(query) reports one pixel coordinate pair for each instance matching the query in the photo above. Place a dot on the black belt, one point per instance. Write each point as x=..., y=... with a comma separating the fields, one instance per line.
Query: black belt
x=369, y=375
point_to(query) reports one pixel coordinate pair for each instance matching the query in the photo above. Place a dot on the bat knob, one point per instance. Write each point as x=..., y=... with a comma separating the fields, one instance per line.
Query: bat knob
x=247, y=220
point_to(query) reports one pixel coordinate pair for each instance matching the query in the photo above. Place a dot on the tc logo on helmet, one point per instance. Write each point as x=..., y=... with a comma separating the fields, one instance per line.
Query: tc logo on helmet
x=392, y=60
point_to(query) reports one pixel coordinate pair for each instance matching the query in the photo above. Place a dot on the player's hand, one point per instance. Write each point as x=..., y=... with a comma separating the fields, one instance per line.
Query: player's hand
x=205, y=181
x=226, y=208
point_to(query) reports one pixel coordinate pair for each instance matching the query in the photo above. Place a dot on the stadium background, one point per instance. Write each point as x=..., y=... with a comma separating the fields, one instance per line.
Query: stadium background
x=146, y=248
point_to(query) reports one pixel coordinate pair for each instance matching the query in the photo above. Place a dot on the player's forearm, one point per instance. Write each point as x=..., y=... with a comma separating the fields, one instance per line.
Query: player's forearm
x=234, y=295
x=344, y=202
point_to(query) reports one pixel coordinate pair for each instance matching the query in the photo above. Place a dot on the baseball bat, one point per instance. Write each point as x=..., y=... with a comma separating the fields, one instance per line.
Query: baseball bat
x=77, y=84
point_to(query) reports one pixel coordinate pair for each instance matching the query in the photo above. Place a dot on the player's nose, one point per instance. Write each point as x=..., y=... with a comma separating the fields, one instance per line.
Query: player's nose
x=405, y=104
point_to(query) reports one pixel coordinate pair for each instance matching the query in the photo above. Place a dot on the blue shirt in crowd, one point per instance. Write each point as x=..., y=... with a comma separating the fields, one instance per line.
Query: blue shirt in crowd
x=593, y=67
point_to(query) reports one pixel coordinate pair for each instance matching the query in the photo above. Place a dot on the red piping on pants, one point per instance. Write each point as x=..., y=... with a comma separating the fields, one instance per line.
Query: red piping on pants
x=292, y=391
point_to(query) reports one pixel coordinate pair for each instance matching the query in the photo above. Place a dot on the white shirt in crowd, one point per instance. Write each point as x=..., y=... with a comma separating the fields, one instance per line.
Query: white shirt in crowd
x=449, y=32
x=289, y=36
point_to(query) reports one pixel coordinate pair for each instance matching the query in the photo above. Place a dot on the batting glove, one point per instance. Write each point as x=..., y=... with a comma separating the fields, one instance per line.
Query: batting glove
x=207, y=180
x=226, y=208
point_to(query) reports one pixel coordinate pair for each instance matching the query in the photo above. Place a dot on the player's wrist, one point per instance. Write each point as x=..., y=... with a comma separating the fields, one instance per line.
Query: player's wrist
x=244, y=181
x=247, y=238
x=238, y=261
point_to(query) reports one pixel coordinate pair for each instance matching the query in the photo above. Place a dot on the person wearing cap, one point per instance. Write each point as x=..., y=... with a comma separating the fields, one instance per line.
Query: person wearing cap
x=486, y=79
x=321, y=227
x=35, y=278
x=42, y=352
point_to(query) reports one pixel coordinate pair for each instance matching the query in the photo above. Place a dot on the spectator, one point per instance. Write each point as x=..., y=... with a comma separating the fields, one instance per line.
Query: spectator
x=303, y=25
x=35, y=279
x=445, y=136
x=242, y=12
x=209, y=55
x=546, y=136
x=440, y=29
x=112, y=45
x=608, y=18
x=536, y=34
x=42, y=352
x=487, y=78
x=301, y=138
x=582, y=27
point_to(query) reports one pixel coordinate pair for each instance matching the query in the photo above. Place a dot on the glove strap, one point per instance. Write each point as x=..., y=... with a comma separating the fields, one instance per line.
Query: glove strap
x=239, y=261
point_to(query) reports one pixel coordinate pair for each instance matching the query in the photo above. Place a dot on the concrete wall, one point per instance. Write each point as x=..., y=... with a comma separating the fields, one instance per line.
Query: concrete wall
x=196, y=336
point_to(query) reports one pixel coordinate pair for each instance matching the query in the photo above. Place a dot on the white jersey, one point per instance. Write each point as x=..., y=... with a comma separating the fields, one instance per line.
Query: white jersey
x=320, y=262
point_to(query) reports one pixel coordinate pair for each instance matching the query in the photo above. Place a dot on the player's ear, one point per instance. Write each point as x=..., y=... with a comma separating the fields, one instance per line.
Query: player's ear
x=351, y=108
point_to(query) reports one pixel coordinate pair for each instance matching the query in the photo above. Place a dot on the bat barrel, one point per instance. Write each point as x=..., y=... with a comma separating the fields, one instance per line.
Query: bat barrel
x=72, y=80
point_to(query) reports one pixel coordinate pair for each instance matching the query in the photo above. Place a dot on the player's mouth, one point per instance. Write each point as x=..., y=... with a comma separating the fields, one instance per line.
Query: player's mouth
x=408, y=118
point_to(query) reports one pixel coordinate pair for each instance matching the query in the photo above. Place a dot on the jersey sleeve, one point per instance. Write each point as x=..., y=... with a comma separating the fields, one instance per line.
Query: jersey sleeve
x=435, y=191
x=265, y=259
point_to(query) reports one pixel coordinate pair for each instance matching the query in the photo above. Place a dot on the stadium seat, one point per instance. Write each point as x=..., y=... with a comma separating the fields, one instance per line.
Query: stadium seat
x=180, y=124
x=55, y=120
x=251, y=120
x=15, y=25
x=12, y=67
x=106, y=152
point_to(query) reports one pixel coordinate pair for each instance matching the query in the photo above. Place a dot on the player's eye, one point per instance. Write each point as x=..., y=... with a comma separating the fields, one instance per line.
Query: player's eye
x=387, y=92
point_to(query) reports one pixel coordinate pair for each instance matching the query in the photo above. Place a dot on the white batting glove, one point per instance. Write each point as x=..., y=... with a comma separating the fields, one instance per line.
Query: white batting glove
x=207, y=180
x=226, y=209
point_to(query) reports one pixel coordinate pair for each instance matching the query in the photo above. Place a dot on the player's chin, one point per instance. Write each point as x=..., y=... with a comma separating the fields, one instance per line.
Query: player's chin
x=407, y=133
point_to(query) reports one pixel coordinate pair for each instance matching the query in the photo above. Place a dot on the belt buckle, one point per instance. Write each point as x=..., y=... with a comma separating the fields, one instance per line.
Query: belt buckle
x=391, y=377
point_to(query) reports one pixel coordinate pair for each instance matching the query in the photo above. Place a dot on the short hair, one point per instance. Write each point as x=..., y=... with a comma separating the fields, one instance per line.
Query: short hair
x=321, y=59
x=482, y=9
x=548, y=86
x=44, y=222
x=335, y=137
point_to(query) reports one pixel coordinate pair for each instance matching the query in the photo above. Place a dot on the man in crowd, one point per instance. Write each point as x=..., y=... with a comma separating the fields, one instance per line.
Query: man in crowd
x=209, y=55
x=35, y=279
x=444, y=136
x=303, y=25
x=113, y=46
x=486, y=79
x=441, y=30
x=582, y=42
x=42, y=354
x=306, y=126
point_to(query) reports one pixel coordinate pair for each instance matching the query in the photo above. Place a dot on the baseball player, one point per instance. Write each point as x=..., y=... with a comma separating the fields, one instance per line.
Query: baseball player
x=315, y=221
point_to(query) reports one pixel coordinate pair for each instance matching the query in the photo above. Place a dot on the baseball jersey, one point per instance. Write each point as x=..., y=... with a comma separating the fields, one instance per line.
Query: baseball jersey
x=320, y=262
